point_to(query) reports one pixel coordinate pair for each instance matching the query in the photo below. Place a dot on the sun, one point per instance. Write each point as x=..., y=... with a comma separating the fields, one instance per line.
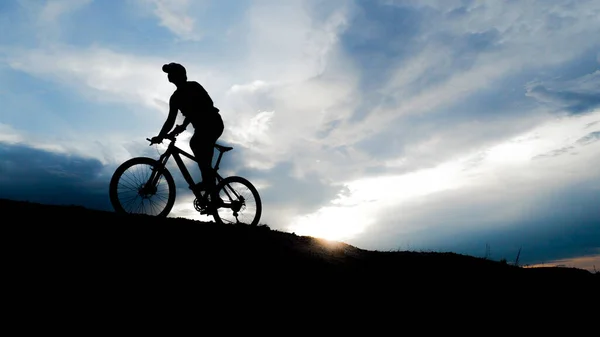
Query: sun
x=331, y=223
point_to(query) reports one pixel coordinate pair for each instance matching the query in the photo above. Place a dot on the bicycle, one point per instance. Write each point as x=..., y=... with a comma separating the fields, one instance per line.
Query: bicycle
x=144, y=185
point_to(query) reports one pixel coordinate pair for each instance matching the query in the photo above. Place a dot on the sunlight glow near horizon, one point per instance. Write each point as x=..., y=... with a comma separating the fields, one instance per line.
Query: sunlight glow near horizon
x=356, y=209
x=591, y=263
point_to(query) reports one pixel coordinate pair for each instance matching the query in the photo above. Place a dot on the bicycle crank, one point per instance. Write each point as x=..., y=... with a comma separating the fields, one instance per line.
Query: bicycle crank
x=200, y=204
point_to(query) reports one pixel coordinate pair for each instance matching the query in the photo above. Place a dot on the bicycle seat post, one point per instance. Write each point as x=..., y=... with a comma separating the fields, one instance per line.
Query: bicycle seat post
x=222, y=149
x=216, y=168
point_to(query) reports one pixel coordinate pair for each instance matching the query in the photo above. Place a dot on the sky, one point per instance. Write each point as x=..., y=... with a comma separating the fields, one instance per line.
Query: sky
x=453, y=125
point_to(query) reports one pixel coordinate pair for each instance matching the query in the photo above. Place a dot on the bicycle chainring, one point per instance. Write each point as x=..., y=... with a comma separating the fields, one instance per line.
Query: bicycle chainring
x=200, y=204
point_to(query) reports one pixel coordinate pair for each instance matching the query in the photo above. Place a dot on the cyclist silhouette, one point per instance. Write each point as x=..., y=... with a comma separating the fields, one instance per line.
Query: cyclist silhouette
x=198, y=109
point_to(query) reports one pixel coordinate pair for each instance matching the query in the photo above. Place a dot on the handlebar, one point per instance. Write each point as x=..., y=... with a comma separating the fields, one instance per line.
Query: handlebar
x=170, y=136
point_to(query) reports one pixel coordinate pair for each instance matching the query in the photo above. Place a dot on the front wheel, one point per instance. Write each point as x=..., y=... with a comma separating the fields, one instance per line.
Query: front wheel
x=238, y=202
x=137, y=187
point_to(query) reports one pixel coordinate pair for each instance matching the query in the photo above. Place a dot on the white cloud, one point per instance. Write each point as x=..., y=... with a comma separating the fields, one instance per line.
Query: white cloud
x=99, y=73
x=300, y=101
x=528, y=24
x=9, y=135
x=518, y=167
x=46, y=17
x=287, y=43
x=174, y=15
x=514, y=51
x=296, y=71
x=52, y=10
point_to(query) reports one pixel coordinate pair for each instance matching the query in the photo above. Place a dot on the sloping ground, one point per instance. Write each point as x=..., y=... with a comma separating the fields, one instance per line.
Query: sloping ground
x=58, y=252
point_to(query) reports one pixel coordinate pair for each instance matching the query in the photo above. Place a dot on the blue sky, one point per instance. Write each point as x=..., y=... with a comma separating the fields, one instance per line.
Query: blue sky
x=464, y=126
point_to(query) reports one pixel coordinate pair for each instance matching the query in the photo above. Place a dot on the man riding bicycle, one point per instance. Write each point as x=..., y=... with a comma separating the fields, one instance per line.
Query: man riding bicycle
x=198, y=109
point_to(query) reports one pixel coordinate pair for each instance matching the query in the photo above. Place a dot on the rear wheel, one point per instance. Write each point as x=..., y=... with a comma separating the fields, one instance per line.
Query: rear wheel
x=238, y=202
x=130, y=193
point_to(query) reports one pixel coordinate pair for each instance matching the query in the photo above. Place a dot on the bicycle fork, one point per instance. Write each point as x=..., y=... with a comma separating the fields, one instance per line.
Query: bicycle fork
x=150, y=187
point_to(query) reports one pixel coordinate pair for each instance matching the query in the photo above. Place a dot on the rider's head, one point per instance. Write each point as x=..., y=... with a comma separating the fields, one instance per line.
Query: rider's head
x=176, y=72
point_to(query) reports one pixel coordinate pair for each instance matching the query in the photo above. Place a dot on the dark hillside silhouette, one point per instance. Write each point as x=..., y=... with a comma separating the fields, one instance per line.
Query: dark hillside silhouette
x=59, y=252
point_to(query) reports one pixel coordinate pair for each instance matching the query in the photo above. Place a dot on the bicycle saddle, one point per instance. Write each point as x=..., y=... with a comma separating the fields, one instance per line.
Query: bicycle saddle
x=223, y=148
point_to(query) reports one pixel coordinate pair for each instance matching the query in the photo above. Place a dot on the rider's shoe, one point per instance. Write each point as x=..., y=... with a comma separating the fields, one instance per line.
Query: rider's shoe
x=208, y=209
x=211, y=207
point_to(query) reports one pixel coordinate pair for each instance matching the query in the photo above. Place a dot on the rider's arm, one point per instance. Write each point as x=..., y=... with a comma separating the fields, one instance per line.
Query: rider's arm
x=185, y=123
x=180, y=128
x=170, y=121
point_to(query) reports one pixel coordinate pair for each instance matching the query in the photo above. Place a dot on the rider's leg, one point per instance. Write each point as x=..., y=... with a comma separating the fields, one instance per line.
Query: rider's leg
x=202, y=144
x=203, y=151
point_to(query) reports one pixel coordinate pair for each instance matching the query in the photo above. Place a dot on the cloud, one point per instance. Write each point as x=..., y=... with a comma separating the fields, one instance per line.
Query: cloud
x=174, y=15
x=99, y=73
x=559, y=221
x=579, y=95
x=51, y=11
x=419, y=114
x=589, y=138
x=47, y=17
x=105, y=75
x=549, y=217
x=9, y=135
x=47, y=177
x=474, y=192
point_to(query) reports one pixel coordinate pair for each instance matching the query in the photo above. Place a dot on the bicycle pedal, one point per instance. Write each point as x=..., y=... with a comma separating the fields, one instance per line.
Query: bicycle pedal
x=207, y=211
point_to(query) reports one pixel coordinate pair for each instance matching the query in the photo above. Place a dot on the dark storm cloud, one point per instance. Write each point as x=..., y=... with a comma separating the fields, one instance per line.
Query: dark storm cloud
x=52, y=178
x=565, y=223
x=541, y=239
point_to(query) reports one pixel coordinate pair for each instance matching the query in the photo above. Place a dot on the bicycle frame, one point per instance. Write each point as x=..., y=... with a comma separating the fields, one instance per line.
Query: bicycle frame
x=234, y=199
x=177, y=153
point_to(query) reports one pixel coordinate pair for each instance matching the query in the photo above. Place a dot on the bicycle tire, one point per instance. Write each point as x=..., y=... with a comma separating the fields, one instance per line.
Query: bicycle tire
x=124, y=189
x=250, y=211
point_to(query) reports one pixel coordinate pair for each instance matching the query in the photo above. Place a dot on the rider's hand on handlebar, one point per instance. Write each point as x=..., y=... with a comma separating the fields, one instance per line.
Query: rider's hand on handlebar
x=156, y=140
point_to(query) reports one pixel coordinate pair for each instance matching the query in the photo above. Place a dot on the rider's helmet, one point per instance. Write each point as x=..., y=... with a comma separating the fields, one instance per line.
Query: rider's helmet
x=175, y=70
